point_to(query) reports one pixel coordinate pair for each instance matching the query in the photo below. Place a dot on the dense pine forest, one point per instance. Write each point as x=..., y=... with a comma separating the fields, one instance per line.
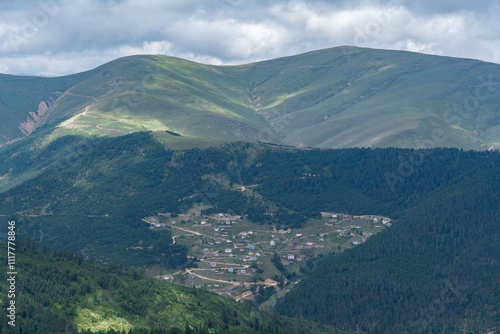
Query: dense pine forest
x=58, y=291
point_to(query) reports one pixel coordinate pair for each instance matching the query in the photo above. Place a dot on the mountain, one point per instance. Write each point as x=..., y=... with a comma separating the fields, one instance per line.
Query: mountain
x=333, y=98
x=60, y=292
x=88, y=158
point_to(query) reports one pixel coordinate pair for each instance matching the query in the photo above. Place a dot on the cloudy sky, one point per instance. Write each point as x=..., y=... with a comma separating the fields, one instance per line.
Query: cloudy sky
x=57, y=37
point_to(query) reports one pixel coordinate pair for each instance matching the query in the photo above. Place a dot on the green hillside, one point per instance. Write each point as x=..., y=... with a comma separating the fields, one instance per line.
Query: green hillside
x=60, y=292
x=333, y=98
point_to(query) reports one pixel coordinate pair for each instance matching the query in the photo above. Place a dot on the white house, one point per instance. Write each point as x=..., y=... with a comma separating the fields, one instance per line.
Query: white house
x=228, y=250
x=272, y=243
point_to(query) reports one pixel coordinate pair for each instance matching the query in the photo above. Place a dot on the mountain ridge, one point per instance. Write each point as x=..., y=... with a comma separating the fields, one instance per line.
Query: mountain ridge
x=332, y=98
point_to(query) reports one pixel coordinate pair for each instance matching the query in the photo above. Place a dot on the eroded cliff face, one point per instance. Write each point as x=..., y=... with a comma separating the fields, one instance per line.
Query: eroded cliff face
x=37, y=118
x=40, y=117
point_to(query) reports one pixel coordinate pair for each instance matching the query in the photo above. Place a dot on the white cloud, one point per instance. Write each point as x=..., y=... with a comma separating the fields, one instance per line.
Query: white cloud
x=81, y=34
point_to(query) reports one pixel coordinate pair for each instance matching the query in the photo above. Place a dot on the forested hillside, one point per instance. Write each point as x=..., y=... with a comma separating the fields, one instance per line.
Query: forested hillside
x=435, y=271
x=445, y=203
x=61, y=292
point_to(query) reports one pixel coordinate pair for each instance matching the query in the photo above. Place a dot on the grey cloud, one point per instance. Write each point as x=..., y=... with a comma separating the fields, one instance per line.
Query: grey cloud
x=90, y=32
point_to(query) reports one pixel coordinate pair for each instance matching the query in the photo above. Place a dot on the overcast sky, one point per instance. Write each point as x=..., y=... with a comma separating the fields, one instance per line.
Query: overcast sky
x=57, y=37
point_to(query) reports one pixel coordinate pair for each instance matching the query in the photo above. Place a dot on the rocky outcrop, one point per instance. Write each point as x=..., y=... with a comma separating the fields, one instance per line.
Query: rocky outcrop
x=38, y=118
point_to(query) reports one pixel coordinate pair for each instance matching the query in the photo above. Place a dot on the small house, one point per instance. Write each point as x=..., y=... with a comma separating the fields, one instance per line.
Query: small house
x=228, y=250
x=251, y=246
x=291, y=257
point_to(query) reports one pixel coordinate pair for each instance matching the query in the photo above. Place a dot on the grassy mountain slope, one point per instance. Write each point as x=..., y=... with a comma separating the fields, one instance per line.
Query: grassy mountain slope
x=59, y=292
x=363, y=97
x=340, y=97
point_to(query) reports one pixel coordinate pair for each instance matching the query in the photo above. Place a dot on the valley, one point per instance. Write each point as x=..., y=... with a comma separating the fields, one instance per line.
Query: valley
x=230, y=254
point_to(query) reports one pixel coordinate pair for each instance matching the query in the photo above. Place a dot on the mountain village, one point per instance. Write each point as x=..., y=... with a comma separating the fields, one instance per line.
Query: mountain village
x=232, y=256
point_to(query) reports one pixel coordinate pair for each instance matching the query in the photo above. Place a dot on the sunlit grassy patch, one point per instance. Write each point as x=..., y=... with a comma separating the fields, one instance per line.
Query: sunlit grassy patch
x=98, y=320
